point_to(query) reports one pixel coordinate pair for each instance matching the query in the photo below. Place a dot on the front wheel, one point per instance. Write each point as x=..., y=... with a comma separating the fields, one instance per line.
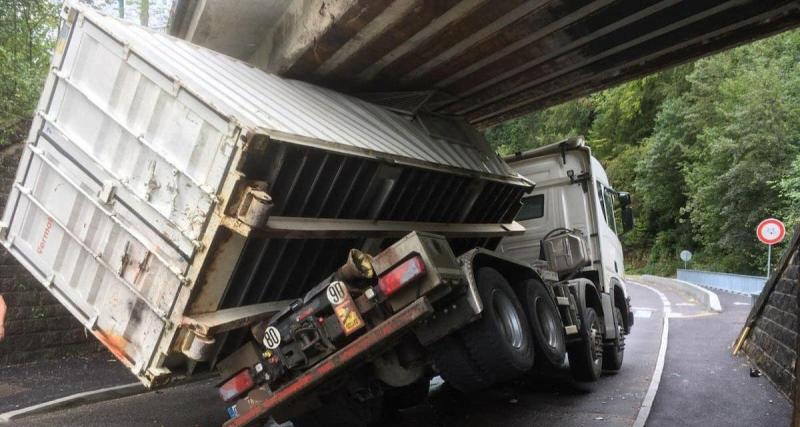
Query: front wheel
x=586, y=356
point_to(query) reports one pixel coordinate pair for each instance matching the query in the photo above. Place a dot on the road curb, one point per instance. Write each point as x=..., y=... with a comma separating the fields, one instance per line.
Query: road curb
x=76, y=399
x=707, y=297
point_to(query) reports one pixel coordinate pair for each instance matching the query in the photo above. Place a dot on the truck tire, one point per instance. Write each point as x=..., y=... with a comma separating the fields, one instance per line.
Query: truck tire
x=452, y=360
x=396, y=398
x=614, y=352
x=547, y=328
x=493, y=349
x=342, y=410
x=586, y=356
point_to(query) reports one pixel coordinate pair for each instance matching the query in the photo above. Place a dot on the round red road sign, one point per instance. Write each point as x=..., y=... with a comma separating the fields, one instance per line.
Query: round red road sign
x=770, y=231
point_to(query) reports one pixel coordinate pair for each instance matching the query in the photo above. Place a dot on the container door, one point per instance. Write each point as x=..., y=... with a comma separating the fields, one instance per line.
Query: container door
x=115, y=190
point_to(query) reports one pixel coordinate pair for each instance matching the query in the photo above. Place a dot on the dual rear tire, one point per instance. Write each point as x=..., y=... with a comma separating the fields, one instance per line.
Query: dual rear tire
x=512, y=333
x=494, y=349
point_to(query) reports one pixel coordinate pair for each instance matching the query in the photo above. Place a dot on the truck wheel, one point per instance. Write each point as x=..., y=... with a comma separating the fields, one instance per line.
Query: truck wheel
x=614, y=352
x=586, y=356
x=452, y=360
x=396, y=398
x=493, y=349
x=546, y=325
x=340, y=409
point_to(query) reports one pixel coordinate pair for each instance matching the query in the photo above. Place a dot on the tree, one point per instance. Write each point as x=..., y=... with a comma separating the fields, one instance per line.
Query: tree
x=26, y=37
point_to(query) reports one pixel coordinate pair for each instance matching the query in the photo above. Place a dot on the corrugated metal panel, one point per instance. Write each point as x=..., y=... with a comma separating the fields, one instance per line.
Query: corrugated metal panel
x=292, y=109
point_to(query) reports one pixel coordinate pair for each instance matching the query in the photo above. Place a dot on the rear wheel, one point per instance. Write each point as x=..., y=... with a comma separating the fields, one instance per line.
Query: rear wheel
x=493, y=349
x=397, y=398
x=546, y=325
x=340, y=409
x=614, y=352
x=586, y=356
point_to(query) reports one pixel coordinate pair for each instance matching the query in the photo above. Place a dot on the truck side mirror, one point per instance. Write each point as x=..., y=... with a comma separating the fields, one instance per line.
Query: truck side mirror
x=627, y=218
x=627, y=212
x=624, y=199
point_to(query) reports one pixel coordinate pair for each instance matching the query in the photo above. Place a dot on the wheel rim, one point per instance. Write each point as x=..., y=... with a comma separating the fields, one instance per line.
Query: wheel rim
x=509, y=319
x=597, y=342
x=548, y=323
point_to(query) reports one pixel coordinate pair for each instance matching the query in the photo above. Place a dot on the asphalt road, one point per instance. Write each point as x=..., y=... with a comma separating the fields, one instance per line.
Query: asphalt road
x=701, y=385
x=25, y=385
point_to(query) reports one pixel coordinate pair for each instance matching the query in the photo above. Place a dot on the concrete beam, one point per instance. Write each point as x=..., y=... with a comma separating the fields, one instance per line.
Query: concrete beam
x=298, y=28
x=235, y=27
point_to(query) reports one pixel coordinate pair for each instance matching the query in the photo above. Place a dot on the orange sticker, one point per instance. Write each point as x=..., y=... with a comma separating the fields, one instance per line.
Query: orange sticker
x=346, y=311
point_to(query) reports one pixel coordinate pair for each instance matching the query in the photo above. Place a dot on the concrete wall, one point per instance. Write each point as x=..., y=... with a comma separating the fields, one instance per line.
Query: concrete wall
x=771, y=344
x=37, y=326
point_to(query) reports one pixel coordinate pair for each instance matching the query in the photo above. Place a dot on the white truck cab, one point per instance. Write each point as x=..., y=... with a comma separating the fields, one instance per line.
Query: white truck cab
x=572, y=192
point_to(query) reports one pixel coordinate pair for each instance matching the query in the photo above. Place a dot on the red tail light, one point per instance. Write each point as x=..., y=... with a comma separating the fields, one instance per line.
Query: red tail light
x=237, y=385
x=403, y=274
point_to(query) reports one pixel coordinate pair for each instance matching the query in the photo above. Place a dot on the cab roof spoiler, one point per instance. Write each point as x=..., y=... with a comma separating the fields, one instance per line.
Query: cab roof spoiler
x=561, y=147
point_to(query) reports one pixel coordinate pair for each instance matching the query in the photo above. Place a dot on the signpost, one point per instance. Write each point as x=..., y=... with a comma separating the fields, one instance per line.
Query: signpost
x=686, y=256
x=770, y=231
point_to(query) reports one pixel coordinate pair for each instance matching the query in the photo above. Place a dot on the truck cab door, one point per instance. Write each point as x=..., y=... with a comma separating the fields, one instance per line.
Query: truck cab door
x=611, y=256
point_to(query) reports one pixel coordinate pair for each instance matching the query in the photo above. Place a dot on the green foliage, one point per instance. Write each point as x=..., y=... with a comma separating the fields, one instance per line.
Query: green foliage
x=540, y=128
x=789, y=188
x=27, y=31
x=708, y=150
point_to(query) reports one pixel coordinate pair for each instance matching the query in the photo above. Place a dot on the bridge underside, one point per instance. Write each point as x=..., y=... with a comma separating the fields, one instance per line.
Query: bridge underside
x=486, y=60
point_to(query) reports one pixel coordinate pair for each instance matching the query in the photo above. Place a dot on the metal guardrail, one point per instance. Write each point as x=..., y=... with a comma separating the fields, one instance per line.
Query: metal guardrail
x=725, y=281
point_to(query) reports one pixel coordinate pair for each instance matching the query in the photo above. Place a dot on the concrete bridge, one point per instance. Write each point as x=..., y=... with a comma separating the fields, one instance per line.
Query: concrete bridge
x=488, y=61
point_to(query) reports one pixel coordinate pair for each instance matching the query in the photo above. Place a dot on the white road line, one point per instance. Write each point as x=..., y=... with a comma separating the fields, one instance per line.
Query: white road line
x=655, y=381
x=74, y=400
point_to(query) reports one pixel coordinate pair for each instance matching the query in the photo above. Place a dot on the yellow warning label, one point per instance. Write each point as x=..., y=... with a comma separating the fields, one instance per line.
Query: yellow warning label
x=349, y=318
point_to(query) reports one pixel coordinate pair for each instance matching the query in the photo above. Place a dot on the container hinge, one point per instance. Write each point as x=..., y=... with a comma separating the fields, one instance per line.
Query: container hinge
x=198, y=348
x=154, y=373
x=108, y=192
x=255, y=204
x=91, y=324
x=198, y=245
x=184, y=280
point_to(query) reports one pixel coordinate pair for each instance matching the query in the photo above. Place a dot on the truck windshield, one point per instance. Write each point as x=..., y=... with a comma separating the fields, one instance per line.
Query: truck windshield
x=532, y=208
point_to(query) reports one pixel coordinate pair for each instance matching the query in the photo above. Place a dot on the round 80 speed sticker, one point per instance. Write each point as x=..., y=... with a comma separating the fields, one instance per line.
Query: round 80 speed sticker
x=272, y=338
